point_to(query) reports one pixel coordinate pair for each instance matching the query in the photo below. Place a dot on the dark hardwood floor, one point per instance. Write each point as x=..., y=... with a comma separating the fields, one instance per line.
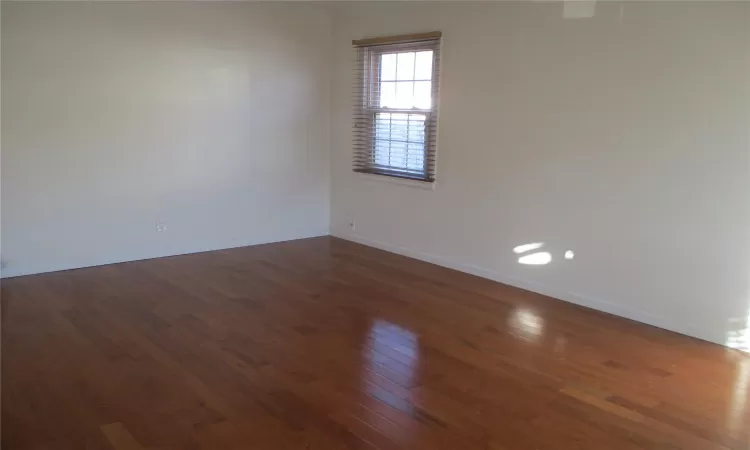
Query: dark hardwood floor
x=326, y=344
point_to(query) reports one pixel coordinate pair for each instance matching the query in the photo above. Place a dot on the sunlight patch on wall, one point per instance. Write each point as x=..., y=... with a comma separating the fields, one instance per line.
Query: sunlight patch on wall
x=536, y=259
x=528, y=247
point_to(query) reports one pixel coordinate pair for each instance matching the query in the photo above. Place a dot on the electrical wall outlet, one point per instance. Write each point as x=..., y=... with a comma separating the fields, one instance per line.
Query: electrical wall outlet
x=161, y=227
x=353, y=226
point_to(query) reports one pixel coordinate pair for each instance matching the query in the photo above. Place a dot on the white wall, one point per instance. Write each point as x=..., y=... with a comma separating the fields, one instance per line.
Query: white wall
x=624, y=137
x=211, y=117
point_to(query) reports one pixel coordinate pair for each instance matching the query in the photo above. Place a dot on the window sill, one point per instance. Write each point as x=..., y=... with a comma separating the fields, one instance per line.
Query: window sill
x=425, y=185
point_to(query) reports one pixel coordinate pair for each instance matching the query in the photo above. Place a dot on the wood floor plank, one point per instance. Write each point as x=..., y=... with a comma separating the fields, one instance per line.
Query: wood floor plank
x=326, y=344
x=120, y=437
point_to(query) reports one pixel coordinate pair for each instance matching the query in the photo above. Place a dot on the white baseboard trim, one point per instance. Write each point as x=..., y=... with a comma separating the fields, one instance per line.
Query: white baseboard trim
x=610, y=308
x=8, y=273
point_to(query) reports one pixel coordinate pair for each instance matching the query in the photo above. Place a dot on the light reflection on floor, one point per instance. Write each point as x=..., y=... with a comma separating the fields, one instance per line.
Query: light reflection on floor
x=736, y=421
x=739, y=334
x=390, y=347
x=526, y=324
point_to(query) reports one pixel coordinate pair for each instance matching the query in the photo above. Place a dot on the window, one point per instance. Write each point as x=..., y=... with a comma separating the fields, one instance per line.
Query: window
x=395, y=120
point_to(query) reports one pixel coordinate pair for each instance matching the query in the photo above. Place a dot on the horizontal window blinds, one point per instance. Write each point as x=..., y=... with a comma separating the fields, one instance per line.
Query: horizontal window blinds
x=395, y=105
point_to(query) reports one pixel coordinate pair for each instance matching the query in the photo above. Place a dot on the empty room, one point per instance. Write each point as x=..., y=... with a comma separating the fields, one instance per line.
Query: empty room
x=391, y=225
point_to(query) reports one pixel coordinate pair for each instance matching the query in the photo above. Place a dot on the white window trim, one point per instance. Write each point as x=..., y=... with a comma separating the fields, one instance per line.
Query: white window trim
x=370, y=106
x=409, y=182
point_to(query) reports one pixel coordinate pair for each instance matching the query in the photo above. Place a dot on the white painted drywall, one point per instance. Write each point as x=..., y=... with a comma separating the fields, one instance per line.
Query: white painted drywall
x=623, y=137
x=212, y=117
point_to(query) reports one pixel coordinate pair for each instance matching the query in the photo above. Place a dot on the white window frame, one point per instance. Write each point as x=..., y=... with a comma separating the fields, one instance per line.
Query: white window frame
x=369, y=108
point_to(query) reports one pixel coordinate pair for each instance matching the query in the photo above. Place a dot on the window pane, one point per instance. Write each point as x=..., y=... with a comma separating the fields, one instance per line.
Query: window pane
x=415, y=159
x=404, y=94
x=399, y=126
x=388, y=94
x=405, y=66
x=416, y=129
x=423, y=70
x=398, y=154
x=400, y=141
x=383, y=126
x=381, y=152
x=388, y=66
x=422, y=94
